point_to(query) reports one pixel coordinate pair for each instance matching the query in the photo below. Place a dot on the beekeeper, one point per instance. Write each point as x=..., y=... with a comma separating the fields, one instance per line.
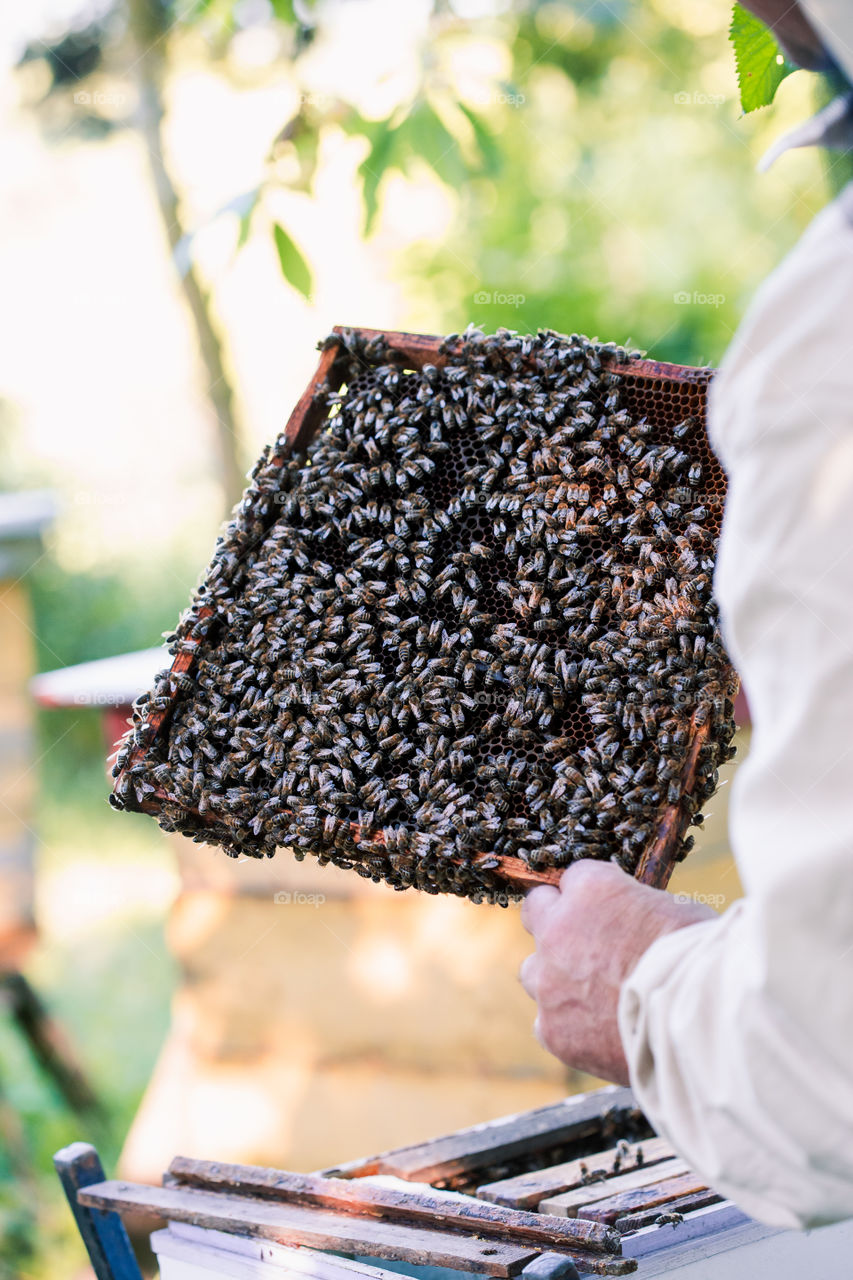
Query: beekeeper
x=736, y=1031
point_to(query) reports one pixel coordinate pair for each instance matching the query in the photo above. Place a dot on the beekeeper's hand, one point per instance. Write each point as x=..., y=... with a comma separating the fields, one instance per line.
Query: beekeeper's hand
x=589, y=934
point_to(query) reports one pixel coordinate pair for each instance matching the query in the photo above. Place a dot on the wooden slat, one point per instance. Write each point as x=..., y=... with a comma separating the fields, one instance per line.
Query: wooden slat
x=340, y=1233
x=526, y=1190
x=293, y=1224
x=342, y=1195
x=571, y=1201
x=683, y=1204
x=467, y=1150
x=660, y=1193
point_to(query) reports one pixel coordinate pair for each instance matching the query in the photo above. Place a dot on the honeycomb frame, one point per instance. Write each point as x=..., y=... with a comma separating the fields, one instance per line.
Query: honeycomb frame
x=676, y=392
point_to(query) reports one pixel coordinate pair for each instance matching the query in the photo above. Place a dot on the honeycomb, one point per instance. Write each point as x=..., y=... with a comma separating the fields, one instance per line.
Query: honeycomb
x=473, y=617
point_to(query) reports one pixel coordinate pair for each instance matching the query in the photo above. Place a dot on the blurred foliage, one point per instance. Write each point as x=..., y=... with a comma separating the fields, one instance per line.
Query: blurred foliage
x=626, y=206
x=79, y=617
x=112, y=997
x=82, y=616
x=609, y=128
x=598, y=51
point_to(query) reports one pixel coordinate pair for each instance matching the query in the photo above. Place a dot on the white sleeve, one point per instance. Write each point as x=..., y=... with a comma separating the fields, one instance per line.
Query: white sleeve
x=739, y=1032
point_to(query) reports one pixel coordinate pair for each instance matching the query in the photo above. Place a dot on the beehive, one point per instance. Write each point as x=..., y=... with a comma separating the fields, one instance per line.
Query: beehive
x=461, y=629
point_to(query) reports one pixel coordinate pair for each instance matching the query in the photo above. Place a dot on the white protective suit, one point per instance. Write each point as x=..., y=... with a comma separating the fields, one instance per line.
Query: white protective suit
x=739, y=1032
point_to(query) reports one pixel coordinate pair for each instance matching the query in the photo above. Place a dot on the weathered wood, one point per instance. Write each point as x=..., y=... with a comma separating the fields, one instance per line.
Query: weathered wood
x=517, y=873
x=103, y=1233
x=181, y=663
x=658, y=860
x=526, y=1190
x=314, y=1228
x=310, y=412
x=572, y=1201
x=683, y=1204
x=660, y=1193
x=445, y=1213
x=318, y=1229
x=483, y=1145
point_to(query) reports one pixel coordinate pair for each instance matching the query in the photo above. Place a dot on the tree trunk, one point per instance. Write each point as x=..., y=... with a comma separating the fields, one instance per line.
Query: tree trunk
x=149, y=27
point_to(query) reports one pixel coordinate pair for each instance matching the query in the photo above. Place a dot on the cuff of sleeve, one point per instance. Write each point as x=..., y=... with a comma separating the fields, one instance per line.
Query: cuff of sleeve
x=652, y=972
x=654, y=967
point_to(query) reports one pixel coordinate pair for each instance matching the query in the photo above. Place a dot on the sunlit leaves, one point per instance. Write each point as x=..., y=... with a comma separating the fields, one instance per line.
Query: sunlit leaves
x=283, y=10
x=383, y=155
x=490, y=154
x=455, y=143
x=761, y=65
x=294, y=268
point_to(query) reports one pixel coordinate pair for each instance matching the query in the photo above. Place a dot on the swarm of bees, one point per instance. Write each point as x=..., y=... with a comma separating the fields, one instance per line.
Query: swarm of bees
x=475, y=616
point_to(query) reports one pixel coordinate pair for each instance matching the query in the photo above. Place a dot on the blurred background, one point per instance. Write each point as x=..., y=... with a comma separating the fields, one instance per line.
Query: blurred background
x=194, y=193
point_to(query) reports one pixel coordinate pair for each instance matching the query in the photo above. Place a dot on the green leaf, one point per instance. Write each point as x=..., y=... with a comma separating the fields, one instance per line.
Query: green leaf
x=246, y=218
x=428, y=137
x=383, y=139
x=490, y=152
x=761, y=65
x=283, y=10
x=294, y=268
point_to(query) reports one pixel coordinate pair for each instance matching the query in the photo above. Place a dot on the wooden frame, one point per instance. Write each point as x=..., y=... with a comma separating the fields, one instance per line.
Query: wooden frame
x=659, y=858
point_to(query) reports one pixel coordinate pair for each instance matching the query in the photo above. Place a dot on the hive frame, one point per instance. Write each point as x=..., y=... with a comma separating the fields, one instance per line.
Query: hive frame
x=660, y=856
